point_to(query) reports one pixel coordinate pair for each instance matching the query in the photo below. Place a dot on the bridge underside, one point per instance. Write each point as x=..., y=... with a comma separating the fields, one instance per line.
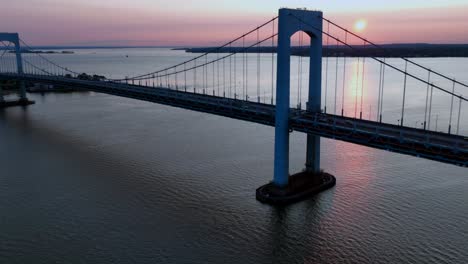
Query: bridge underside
x=436, y=146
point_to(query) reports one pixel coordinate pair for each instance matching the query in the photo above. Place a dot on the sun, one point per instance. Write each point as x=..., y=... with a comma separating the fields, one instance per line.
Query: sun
x=360, y=25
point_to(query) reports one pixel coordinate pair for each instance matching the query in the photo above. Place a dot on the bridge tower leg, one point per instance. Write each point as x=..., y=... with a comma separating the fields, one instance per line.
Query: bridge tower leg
x=314, y=102
x=280, y=191
x=19, y=66
x=14, y=38
x=281, y=165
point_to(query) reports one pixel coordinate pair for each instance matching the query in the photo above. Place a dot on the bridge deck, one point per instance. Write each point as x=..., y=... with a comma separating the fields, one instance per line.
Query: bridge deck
x=437, y=146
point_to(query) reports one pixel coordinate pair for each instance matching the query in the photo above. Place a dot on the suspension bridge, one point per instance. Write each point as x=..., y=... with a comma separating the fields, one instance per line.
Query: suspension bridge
x=239, y=80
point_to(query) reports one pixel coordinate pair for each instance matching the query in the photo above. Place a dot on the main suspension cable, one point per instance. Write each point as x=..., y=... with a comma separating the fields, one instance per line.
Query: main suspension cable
x=213, y=50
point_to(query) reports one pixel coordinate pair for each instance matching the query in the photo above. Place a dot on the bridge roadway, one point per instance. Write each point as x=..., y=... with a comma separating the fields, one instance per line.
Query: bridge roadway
x=436, y=146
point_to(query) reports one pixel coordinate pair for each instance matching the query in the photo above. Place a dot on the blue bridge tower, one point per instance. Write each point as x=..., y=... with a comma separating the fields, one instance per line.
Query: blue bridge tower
x=281, y=190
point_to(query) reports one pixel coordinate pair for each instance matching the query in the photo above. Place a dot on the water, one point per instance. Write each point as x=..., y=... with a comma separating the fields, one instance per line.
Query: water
x=93, y=178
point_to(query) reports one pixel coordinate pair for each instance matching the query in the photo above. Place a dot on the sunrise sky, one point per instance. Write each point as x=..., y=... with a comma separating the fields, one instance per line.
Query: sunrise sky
x=211, y=22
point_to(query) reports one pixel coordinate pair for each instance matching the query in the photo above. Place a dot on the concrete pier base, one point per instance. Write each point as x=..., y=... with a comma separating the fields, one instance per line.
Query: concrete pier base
x=19, y=102
x=301, y=186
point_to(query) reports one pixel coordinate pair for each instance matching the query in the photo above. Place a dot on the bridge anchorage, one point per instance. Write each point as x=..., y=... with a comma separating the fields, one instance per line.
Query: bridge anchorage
x=284, y=188
x=13, y=38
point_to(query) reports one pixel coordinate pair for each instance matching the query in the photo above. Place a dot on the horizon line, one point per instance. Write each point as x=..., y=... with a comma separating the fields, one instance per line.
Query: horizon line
x=199, y=46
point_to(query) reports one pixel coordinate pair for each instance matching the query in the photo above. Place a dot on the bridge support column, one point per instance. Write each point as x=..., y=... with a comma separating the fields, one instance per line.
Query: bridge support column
x=285, y=189
x=313, y=154
x=22, y=91
x=23, y=100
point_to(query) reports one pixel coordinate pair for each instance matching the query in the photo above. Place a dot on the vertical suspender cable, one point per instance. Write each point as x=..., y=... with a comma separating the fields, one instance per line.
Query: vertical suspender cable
x=224, y=77
x=26, y=67
x=4, y=59
x=203, y=77
x=404, y=94
x=230, y=71
x=273, y=64
x=1, y=63
x=213, y=74
x=326, y=67
x=382, y=95
x=243, y=67
x=459, y=113
x=362, y=82
x=175, y=77
x=344, y=76
x=427, y=97
x=336, y=76
x=33, y=69
x=299, y=74
x=195, y=76
x=301, y=40
x=380, y=91
x=258, y=66
x=246, y=76
x=217, y=71
x=38, y=70
x=451, y=108
x=430, y=108
x=1, y=57
x=6, y=67
x=205, y=67
x=356, y=88
x=167, y=80
x=39, y=62
x=235, y=75
x=42, y=67
x=203, y=84
x=185, y=77
x=8, y=64
x=33, y=62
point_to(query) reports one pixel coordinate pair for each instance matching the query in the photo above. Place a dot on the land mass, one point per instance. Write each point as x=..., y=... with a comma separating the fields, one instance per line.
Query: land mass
x=386, y=50
x=43, y=52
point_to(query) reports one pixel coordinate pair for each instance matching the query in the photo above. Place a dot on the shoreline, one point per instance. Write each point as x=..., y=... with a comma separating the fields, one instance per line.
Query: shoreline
x=387, y=51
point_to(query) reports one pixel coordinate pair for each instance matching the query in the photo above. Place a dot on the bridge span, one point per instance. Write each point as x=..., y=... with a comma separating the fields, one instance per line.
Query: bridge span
x=431, y=145
x=225, y=92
